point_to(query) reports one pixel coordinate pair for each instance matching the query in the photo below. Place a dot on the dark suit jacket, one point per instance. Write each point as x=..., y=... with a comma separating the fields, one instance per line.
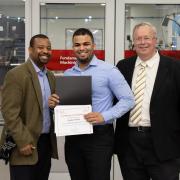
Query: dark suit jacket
x=22, y=110
x=164, y=109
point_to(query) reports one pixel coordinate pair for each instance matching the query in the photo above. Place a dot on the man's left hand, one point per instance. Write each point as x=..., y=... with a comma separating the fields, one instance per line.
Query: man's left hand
x=94, y=118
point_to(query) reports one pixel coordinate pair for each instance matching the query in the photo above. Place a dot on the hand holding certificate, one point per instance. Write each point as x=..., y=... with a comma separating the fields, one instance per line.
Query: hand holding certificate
x=69, y=120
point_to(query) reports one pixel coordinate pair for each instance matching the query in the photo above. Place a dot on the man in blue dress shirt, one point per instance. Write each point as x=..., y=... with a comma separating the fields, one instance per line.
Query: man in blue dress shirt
x=88, y=157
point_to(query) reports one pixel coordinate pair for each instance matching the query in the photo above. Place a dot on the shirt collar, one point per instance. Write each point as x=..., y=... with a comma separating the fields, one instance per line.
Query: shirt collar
x=37, y=69
x=150, y=63
x=93, y=62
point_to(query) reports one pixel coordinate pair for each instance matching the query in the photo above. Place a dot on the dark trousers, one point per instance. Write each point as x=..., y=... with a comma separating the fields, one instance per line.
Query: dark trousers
x=88, y=157
x=140, y=161
x=39, y=171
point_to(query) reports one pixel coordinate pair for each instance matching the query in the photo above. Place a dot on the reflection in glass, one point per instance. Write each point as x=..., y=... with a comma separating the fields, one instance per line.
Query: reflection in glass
x=12, y=33
x=12, y=40
x=12, y=37
x=97, y=34
x=166, y=18
x=57, y=18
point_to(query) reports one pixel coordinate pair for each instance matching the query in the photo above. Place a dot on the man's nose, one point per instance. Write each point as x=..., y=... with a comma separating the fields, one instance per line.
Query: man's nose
x=142, y=40
x=45, y=50
x=82, y=47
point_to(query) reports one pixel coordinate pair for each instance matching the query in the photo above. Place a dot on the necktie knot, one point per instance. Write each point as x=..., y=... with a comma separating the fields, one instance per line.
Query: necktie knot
x=143, y=65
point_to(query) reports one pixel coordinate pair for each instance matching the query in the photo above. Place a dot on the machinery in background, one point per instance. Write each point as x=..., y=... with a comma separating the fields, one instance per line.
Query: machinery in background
x=12, y=43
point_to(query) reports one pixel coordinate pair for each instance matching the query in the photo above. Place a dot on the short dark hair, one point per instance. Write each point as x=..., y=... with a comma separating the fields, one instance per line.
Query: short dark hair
x=31, y=43
x=83, y=31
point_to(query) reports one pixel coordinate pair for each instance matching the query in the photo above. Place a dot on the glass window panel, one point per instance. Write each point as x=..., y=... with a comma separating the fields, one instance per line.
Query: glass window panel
x=166, y=18
x=97, y=33
x=12, y=37
x=56, y=18
x=59, y=21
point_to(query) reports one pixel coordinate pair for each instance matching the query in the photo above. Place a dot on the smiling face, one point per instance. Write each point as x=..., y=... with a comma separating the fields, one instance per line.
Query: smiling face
x=40, y=52
x=145, y=41
x=83, y=47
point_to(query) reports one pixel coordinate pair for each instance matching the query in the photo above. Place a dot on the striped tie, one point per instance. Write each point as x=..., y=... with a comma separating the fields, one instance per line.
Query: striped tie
x=136, y=112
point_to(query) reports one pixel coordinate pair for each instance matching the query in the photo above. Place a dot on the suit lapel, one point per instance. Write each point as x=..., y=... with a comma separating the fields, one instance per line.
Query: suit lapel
x=35, y=82
x=160, y=78
x=51, y=82
x=130, y=70
x=52, y=88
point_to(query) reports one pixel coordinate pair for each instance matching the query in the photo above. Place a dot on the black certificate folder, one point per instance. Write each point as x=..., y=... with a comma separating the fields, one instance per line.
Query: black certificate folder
x=74, y=90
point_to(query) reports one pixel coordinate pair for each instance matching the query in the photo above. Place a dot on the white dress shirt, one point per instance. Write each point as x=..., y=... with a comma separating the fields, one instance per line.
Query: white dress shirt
x=151, y=72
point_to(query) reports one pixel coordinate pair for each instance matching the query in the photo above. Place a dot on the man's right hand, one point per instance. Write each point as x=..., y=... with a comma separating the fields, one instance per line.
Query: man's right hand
x=53, y=101
x=27, y=150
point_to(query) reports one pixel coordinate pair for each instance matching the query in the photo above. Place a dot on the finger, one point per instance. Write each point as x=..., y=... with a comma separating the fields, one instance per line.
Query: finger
x=55, y=100
x=90, y=115
x=55, y=96
x=52, y=102
x=91, y=119
x=52, y=99
x=26, y=152
x=33, y=147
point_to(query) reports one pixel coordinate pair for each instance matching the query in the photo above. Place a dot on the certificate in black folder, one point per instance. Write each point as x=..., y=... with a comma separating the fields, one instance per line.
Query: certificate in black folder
x=74, y=90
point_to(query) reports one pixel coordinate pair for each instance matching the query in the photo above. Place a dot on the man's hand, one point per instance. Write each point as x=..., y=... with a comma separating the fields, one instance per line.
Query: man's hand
x=94, y=118
x=27, y=150
x=53, y=100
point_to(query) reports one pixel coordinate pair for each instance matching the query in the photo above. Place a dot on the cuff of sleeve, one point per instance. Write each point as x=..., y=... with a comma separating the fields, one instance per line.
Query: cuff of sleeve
x=107, y=116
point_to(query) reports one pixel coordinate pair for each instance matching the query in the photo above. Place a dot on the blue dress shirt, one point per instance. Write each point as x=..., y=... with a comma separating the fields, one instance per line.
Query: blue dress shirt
x=107, y=82
x=46, y=92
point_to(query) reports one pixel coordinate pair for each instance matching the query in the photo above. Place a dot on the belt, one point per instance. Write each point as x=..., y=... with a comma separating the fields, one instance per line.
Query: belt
x=140, y=129
x=44, y=135
x=104, y=127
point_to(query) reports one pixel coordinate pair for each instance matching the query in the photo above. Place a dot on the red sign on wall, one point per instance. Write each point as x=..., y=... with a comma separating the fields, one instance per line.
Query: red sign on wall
x=65, y=59
x=172, y=54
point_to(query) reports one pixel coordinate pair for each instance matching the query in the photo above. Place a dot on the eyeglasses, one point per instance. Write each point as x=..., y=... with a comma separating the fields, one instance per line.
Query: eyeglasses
x=145, y=39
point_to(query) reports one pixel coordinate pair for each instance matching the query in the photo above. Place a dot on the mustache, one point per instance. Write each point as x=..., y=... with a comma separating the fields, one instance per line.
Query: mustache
x=45, y=54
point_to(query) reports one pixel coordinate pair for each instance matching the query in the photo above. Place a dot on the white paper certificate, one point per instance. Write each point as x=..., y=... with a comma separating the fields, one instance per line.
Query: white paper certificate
x=69, y=120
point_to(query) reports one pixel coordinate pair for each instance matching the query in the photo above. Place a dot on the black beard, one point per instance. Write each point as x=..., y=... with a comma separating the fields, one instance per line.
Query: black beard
x=85, y=61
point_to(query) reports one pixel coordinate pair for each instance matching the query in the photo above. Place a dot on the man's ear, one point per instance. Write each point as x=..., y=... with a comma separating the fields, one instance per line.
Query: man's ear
x=94, y=46
x=30, y=50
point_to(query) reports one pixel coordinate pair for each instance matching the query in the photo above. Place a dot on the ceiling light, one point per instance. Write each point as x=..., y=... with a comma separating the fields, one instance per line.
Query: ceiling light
x=43, y=4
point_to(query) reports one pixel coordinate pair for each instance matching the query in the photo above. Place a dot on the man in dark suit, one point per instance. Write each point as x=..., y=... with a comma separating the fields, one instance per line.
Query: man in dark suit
x=147, y=139
x=26, y=113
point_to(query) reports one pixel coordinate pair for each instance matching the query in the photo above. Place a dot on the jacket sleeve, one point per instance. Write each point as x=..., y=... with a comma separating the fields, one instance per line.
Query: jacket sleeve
x=12, y=100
